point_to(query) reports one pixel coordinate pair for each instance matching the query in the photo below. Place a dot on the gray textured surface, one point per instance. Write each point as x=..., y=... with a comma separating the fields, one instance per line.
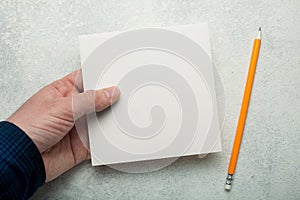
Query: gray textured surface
x=39, y=43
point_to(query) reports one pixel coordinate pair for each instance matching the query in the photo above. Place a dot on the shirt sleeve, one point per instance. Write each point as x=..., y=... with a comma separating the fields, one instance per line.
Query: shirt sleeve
x=22, y=169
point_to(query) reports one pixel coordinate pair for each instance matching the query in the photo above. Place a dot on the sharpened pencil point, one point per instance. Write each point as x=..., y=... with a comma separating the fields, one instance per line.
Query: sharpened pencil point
x=259, y=33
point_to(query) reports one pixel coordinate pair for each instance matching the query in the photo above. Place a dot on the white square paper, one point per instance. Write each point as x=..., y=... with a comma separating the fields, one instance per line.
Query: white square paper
x=168, y=104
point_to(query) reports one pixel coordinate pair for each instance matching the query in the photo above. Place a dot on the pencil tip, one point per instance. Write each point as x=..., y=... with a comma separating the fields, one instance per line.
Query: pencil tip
x=259, y=33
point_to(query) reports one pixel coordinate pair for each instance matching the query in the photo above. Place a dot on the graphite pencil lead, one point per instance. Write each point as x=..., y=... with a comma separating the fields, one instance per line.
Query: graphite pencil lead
x=259, y=34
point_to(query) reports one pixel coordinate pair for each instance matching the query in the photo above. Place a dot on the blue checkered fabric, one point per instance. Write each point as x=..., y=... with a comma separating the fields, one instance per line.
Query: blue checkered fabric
x=22, y=169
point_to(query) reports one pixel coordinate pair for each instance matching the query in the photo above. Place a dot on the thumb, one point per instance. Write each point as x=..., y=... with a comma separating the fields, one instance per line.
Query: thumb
x=94, y=100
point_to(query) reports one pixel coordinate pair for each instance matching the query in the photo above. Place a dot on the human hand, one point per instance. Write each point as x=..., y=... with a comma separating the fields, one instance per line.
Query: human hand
x=48, y=118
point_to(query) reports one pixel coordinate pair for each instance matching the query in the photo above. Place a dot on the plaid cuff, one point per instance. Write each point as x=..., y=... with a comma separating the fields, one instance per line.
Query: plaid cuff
x=22, y=169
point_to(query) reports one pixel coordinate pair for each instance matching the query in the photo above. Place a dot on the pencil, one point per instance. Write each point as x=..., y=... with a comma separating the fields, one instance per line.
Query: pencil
x=243, y=111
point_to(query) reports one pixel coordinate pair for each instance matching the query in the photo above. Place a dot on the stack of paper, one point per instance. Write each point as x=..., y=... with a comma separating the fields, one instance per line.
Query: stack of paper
x=168, y=104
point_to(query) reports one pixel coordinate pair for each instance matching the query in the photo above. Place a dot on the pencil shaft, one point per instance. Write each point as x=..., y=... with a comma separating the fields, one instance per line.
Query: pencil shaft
x=244, y=108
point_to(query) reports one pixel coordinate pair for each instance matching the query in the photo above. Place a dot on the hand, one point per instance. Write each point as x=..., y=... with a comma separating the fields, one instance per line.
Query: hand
x=48, y=119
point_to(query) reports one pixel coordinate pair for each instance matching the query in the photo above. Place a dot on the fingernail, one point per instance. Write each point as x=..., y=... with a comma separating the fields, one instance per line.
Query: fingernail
x=112, y=93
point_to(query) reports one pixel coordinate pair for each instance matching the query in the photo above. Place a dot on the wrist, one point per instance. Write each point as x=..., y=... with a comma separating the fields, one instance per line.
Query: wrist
x=26, y=130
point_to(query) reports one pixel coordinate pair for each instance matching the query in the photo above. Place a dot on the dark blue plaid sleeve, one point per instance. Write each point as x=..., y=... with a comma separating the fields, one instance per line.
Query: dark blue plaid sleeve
x=22, y=169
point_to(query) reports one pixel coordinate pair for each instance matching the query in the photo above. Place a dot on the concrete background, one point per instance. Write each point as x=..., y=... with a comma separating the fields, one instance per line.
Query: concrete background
x=39, y=44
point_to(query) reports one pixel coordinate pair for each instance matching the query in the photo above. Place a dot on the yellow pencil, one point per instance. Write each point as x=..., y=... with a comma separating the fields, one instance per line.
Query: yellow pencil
x=243, y=112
